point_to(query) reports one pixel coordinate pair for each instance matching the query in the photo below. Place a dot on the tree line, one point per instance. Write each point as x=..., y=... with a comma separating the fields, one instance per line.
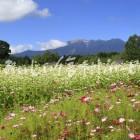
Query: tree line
x=130, y=53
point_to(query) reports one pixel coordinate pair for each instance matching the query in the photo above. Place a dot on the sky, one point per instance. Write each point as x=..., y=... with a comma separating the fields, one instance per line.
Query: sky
x=48, y=24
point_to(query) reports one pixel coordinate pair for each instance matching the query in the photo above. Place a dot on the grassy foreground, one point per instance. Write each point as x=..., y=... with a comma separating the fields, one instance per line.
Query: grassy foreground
x=99, y=102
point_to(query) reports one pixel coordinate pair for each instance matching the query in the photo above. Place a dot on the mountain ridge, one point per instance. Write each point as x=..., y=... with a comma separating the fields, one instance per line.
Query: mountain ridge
x=82, y=47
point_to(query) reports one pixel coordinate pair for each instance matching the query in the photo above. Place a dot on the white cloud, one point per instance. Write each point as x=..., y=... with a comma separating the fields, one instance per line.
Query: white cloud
x=43, y=13
x=20, y=48
x=11, y=10
x=52, y=44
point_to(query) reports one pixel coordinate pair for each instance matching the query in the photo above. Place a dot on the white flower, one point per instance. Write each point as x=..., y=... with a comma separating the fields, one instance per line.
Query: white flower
x=15, y=126
x=93, y=130
x=12, y=114
x=104, y=119
x=111, y=107
x=34, y=136
x=111, y=127
x=87, y=123
x=22, y=118
x=121, y=120
x=130, y=120
x=133, y=100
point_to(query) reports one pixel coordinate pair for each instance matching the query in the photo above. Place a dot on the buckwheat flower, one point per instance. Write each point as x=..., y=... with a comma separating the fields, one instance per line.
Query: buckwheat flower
x=69, y=121
x=15, y=126
x=121, y=120
x=111, y=107
x=130, y=120
x=52, y=101
x=87, y=123
x=112, y=130
x=29, y=109
x=34, y=136
x=118, y=102
x=110, y=127
x=78, y=122
x=20, y=124
x=133, y=100
x=43, y=114
x=93, y=131
x=91, y=134
x=98, y=127
x=104, y=119
x=68, y=124
x=22, y=118
x=12, y=114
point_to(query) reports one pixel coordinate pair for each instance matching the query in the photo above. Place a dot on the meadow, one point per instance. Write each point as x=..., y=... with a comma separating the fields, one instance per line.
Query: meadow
x=70, y=102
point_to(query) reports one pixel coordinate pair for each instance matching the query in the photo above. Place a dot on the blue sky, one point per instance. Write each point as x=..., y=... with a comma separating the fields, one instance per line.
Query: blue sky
x=68, y=20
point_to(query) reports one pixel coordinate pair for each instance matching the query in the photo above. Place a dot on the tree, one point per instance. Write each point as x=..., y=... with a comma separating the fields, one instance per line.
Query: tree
x=21, y=60
x=4, y=49
x=132, y=48
x=47, y=57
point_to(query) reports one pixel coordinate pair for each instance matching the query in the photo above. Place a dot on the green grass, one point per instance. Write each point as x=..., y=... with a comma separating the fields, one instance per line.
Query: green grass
x=45, y=103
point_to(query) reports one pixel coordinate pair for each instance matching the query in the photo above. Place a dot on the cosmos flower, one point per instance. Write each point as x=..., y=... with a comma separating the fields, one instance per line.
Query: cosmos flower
x=134, y=136
x=85, y=99
x=97, y=110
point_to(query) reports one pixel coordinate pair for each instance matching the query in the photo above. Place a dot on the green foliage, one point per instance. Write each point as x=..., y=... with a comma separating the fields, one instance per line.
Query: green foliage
x=104, y=57
x=48, y=57
x=4, y=49
x=132, y=48
x=21, y=60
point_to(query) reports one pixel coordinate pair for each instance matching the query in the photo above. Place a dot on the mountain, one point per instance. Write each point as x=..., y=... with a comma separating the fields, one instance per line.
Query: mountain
x=82, y=47
x=29, y=53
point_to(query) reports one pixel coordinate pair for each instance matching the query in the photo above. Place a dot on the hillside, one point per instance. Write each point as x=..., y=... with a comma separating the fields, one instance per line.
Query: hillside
x=82, y=47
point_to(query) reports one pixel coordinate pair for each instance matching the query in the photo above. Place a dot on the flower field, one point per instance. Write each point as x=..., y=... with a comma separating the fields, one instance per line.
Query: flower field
x=73, y=102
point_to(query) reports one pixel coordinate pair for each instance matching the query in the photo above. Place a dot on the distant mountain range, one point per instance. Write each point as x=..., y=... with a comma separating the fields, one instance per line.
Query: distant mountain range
x=82, y=47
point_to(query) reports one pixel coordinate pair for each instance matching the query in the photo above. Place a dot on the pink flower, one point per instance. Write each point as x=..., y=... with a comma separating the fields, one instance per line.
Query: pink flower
x=131, y=136
x=97, y=110
x=134, y=136
x=114, y=85
x=85, y=99
x=10, y=116
x=137, y=137
x=63, y=114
